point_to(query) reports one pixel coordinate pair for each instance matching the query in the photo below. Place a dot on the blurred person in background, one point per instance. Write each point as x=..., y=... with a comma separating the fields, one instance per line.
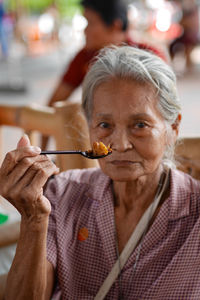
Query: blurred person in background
x=189, y=38
x=107, y=24
x=3, y=37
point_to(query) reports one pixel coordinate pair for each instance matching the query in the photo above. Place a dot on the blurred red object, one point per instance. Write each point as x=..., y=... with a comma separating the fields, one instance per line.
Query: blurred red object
x=174, y=31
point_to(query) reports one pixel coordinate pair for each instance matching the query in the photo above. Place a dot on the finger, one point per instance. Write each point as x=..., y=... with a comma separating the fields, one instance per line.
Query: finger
x=22, y=167
x=44, y=168
x=30, y=185
x=24, y=141
x=13, y=157
x=17, y=192
x=43, y=174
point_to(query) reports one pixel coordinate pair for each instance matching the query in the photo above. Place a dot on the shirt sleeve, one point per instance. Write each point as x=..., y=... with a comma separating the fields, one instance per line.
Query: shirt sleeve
x=53, y=191
x=77, y=68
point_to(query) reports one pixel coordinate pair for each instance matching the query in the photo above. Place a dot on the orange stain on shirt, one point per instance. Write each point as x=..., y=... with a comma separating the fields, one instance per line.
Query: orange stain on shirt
x=83, y=234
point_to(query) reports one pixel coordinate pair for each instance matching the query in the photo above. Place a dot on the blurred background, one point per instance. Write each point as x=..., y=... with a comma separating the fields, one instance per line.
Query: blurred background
x=38, y=38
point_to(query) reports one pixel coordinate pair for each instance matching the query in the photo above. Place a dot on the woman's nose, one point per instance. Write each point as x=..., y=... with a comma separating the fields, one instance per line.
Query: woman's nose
x=121, y=141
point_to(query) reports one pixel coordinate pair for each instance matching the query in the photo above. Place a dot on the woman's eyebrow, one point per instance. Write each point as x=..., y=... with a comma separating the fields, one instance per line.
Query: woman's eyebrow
x=105, y=115
x=131, y=117
x=141, y=116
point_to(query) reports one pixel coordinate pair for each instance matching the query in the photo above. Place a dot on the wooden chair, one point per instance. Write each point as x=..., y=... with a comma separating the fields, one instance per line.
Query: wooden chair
x=65, y=123
x=187, y=155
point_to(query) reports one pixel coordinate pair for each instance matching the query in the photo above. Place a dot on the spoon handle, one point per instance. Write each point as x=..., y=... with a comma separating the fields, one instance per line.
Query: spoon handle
x=59, y=152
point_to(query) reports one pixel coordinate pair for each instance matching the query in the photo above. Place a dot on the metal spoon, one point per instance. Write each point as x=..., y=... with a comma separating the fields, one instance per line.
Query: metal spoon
x=87, y=154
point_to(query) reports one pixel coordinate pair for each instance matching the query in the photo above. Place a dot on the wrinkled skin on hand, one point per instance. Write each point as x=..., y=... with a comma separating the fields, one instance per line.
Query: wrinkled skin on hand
x=23, y=175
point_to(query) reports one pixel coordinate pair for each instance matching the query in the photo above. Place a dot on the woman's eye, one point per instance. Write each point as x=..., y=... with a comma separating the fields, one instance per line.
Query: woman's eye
x=141, y=125
x=104, y=125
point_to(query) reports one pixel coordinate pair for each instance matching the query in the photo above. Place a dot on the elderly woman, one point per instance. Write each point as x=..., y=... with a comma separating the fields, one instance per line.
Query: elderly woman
x=134, y=212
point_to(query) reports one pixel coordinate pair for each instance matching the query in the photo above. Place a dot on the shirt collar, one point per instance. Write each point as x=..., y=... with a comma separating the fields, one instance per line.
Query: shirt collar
x=180, y=195
x=179, y=198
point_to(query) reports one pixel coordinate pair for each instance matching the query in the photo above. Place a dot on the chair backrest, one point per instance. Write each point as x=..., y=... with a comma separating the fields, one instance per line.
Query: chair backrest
x=187, y=154
x=65, y=123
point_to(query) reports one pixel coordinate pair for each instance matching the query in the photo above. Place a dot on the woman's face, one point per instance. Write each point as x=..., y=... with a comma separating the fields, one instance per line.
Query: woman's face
x=125, y=115
x=97, y=33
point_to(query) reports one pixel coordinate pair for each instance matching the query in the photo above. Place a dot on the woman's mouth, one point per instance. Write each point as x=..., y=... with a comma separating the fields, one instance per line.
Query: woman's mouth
x=122, y=162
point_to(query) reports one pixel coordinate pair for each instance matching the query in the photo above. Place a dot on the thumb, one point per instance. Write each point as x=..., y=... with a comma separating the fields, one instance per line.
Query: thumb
x=24, y=141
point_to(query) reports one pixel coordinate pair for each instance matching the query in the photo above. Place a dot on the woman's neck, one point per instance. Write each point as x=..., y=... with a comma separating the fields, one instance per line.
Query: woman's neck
x=137, y=194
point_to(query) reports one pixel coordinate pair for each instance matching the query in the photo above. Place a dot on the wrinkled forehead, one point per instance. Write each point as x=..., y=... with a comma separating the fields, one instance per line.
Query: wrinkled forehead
x=124, y=97
x=127, y=88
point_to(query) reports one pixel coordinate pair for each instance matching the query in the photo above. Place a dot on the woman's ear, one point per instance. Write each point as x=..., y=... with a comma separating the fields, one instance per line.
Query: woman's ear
x=176, y=125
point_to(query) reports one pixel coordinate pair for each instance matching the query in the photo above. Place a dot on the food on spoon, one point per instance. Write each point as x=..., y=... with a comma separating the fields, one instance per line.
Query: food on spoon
x=99, y=149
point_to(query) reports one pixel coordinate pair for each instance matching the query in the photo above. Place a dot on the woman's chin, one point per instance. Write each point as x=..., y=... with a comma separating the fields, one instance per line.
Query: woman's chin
x=123, y=175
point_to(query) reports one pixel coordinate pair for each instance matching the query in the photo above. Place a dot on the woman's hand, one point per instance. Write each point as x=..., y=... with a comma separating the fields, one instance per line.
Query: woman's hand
x=22, y=176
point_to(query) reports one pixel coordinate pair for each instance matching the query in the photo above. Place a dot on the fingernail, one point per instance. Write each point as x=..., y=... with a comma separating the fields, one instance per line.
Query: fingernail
x=25, y=136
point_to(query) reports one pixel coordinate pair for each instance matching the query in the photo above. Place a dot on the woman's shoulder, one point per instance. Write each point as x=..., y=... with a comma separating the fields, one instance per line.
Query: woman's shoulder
x=184, y=195
x=184, y=182
x=82, y=176
x=75, y=180
x=71, y=190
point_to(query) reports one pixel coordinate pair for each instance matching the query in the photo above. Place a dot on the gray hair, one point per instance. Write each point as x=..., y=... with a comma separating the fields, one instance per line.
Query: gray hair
x=139, y=65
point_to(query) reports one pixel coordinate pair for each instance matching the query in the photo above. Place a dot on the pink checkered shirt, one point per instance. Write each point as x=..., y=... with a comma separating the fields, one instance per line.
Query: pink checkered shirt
x=169, y=264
